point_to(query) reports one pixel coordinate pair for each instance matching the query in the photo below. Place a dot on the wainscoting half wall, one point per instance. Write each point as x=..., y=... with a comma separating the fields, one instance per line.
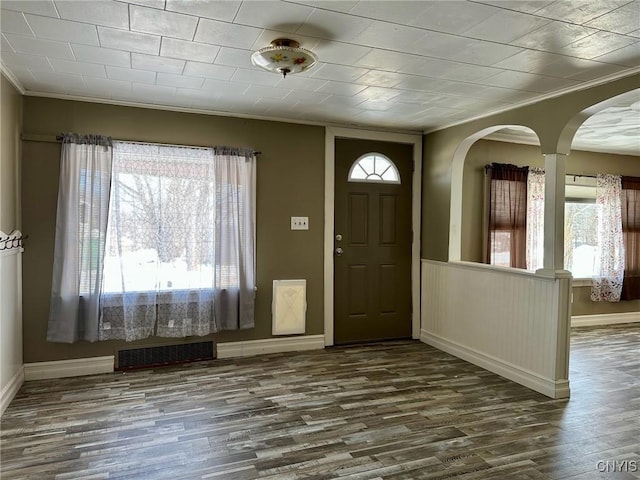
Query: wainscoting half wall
x=11, y=370
x=510, y=322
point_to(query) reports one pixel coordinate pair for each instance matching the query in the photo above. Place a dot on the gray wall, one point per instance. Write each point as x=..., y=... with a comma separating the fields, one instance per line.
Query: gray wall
x=290, y=182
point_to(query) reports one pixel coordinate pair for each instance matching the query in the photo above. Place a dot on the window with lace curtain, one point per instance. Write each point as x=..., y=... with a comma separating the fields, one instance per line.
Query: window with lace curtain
x=179, y=251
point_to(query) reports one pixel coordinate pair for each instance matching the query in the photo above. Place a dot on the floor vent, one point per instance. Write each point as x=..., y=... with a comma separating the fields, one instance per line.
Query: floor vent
x=164, y=355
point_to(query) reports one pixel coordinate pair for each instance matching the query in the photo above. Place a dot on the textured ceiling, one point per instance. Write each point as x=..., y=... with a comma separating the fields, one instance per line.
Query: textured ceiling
x=405, y=65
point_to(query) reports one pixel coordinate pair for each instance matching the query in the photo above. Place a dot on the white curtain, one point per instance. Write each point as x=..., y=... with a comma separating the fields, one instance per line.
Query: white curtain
x=535, y=219
x=81, y=223
x=180, y=249
x=606, y=284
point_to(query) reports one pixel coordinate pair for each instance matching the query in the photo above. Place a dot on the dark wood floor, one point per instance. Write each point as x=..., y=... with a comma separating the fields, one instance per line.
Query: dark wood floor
x=386, y=411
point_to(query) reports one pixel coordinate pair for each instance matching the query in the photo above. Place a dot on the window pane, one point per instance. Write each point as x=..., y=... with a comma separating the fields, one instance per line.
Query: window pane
x=374, y=167
x=580, y=239
x=501, y=248
x=160, y=229
x=367, y=164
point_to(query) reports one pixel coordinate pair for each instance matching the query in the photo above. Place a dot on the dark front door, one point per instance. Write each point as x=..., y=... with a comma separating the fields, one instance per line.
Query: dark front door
x=372, y=244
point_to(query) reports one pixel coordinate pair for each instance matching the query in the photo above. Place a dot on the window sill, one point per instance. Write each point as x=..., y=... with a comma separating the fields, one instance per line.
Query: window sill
x=581, y=282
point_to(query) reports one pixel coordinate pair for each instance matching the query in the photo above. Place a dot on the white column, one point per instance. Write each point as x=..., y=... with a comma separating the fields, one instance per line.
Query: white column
x=554, y=185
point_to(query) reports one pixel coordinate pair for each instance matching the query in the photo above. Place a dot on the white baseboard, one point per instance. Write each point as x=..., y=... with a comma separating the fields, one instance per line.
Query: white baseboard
x=68, y=368
x=604, y=319
x=545, y=386
x=10, y=390
x=270, y=345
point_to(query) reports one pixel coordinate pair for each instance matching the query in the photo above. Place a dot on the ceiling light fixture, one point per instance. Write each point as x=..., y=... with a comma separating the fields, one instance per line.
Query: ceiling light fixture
x=284, y=56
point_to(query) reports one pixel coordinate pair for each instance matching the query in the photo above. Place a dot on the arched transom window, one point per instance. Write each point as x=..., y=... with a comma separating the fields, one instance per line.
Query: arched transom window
x=374, y=167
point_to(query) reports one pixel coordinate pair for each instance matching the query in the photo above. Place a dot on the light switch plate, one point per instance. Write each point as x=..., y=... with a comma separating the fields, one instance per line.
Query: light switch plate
x=299, y=223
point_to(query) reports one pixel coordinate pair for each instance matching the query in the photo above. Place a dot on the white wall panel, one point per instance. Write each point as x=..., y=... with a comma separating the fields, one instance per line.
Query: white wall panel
x=512, y=322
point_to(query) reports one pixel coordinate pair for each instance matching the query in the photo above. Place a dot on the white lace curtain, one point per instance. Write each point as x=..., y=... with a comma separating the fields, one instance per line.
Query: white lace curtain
x=81, y=223
x=607, y=281
x=176, y=256
x=535, y=219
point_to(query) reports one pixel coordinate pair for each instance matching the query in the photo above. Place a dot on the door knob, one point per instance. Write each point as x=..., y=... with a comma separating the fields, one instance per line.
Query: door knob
x=339, y=251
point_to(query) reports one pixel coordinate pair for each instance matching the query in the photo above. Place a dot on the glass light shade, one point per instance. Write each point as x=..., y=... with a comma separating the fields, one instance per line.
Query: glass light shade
x=284, y=56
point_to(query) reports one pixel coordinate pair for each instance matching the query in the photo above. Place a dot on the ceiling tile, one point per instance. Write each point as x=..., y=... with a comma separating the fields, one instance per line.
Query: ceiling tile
x=107, y=86
x=529, y=82
x=380, y=78
x=182, y=81
x=624, y=20
x=396, y=11
x=306, y=98
x=529, y=61
x=131, y=75
x=273, y=15
x=596, y=70
x=259, y=91
x=106, y=56
x=430, y=67
x=5, y=46
x=553, y=37
x=598, y=44
x=378, y=93
x=577, y=68
x=149, y=3
x=340, y=73
x=64, y=30
x=235, y=57
x=416, y=97
x=152, y=93
x=333, y=26
x=342, y=101
x=36, y=46
x=123, y=40
x=14, y=22
x=340, y=88
x=472, y=73
x=579, y=12
x=78, y=68
x=333, y=5
x=226, y=34
x=244, y=75
x=35, y=62
x=199, y=52
x=158, y=22
x=376, y=104
x=56, y=82
x=628, y=56
x=224, y=89
x=99, y=12
x=453, y=17
x=421, y=84
x=484, y=53
x=527, y=6
x=37, y=7
x=156, y=63
x=219, y=72
x=217, y=10
x=305, y=84
x=386, y=60
x=389, y=36
x=492, y=28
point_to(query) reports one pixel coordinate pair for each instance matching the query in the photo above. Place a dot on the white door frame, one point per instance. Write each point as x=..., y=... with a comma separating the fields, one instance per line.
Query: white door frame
x=331, y=133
